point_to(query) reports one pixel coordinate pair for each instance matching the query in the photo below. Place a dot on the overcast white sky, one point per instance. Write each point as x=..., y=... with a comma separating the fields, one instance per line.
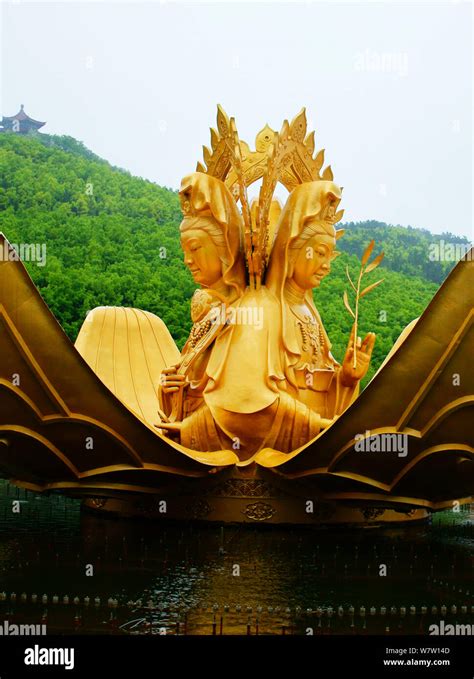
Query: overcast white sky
x=388, y=88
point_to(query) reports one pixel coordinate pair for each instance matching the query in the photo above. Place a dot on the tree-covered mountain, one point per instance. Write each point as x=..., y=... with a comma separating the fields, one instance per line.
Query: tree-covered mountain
x=407, y=249
x=113, y=239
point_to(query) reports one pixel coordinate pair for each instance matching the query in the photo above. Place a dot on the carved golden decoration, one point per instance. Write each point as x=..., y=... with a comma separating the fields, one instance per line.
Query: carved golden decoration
x=244, y=488
x=199, y=509
x=98, y=502
x=371, y=513
x=259, y=511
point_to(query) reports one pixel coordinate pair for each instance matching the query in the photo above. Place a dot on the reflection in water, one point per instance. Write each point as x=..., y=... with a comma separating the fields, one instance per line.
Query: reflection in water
x=183, y=578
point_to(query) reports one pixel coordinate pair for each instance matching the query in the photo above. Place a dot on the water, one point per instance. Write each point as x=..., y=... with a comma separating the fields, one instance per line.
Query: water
x=184, y=578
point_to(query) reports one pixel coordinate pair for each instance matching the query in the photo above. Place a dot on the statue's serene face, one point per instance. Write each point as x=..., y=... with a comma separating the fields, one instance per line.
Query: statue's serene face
x=313, y=261
x=201, y=257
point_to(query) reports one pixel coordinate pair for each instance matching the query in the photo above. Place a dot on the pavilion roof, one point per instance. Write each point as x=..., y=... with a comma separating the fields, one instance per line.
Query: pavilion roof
x=21, y=116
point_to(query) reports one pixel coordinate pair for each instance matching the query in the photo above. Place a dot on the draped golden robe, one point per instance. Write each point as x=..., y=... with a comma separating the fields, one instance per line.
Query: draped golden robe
x=244, y=404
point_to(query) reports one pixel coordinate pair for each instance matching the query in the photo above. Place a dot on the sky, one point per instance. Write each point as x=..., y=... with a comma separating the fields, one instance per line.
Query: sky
x=386, y=86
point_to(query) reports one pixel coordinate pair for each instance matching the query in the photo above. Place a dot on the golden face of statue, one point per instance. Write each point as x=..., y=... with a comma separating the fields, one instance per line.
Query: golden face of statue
x=313, y=261
x=201, y=256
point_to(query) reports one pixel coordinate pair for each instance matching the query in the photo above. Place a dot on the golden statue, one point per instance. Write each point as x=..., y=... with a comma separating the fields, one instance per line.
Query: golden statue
x=254, y=416
x=248, y=385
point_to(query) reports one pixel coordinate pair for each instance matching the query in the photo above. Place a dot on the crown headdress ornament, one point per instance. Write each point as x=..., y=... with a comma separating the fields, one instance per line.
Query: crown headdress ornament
x=286, y=157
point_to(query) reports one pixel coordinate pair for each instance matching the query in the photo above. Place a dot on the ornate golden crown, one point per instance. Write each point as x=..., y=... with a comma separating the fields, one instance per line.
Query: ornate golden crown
x=287, y=157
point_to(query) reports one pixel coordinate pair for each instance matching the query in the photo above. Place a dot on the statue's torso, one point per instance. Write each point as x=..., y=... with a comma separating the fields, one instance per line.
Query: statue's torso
x=315, y=369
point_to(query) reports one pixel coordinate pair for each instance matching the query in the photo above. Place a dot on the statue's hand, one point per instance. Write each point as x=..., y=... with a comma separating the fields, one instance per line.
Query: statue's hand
x=350, y=374
x=170, y=429
x=171, y=381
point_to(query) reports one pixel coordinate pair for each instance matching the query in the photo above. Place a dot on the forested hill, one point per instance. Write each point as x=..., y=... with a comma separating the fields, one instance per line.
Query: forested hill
x=113, y=239
x=407, y=249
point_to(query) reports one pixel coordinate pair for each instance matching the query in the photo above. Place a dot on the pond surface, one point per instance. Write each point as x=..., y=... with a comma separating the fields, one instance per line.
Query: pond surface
x=197, y=579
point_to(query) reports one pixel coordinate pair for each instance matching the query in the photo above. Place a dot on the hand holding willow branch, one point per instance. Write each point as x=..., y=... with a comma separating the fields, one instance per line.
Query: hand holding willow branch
x=354, y=373
x=354, y=342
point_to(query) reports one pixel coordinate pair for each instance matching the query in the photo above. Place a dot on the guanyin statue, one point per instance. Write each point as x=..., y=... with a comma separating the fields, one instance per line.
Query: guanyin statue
x=247, y=385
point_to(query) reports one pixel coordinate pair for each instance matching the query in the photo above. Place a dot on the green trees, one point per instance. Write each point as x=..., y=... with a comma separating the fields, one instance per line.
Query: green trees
x=406, y=249
x=113, y=239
